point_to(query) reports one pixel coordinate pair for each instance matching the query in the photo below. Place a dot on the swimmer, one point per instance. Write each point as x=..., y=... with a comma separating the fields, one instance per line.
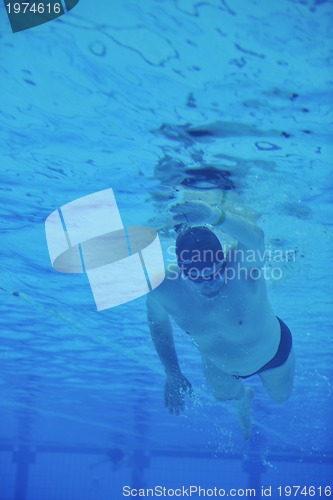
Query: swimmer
x=226, y=312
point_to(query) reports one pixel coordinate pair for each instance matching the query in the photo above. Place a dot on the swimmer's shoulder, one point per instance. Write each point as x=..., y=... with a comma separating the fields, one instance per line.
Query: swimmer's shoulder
x=169, y=285
x=172, y=273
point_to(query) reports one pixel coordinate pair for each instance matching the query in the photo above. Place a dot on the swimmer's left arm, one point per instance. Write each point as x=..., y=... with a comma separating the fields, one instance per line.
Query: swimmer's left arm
x=249, y=235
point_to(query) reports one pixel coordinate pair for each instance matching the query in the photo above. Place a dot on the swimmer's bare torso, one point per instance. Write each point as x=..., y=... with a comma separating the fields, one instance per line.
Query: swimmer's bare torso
x=230, y=320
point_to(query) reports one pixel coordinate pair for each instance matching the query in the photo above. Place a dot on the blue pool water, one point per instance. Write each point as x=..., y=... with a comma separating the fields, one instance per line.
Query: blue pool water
x=161, y=100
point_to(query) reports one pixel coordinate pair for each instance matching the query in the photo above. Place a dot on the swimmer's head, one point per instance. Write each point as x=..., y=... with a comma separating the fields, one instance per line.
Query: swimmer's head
x=199, y=254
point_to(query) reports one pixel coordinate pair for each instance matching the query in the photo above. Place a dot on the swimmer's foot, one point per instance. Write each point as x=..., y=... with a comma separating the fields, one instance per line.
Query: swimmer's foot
x=243, y=407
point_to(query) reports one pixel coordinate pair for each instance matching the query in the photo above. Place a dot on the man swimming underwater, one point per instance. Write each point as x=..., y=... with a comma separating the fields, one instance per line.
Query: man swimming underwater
x=219, y=298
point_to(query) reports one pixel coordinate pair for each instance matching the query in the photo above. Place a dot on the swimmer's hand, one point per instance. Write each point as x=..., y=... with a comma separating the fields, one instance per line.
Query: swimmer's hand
x=195, y=212
x=176, y=386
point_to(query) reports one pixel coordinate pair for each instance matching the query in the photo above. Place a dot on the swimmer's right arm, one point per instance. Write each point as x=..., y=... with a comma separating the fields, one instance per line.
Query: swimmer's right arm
x=161, y=333
x=176, y=384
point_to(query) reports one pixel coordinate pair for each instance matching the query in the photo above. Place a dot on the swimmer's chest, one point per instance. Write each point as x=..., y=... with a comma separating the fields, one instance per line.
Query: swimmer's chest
x=199, y=316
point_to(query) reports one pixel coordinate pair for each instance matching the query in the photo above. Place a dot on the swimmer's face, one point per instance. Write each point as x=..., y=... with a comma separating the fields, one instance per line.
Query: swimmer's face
x=207, y=275
x=210, y=286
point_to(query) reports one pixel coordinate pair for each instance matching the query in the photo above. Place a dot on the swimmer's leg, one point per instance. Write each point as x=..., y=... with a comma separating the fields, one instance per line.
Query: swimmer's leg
x=278, y=382
x=226, y=387
x=244, y=410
